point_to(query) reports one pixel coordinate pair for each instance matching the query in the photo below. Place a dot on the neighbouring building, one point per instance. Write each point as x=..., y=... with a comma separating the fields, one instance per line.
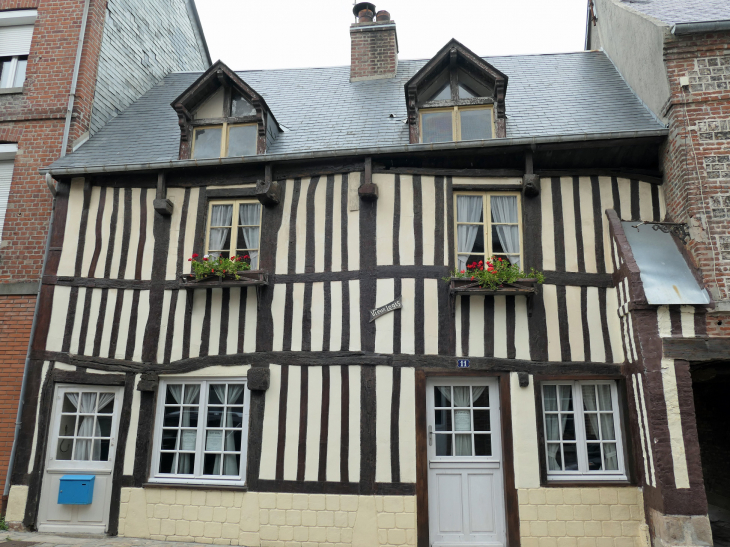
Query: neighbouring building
x=675, y=55
x=354, y=386
x=67, y=68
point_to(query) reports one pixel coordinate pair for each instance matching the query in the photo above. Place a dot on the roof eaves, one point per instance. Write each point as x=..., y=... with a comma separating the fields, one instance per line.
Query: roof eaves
x=367, y=151
x=701, y=26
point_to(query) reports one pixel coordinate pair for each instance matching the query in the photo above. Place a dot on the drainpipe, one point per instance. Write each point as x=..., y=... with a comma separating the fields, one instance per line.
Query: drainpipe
x=24, y=383
x=72, y=93
x=49, y=182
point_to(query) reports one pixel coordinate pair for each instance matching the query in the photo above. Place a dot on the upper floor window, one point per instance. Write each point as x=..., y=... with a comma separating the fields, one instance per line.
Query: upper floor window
x=488, y=224
x=16, y=33
x=225, y=126
x=234, y=230
x=582, y=430
x=457, y=123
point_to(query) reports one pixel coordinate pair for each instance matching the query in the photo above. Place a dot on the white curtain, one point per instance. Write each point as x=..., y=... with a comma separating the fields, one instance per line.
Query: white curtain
x=221, y=216
x=552, y=426
x=248, y=217
x=504, y=209
x=589, y=404
x=220, y=391
x=462, y=416
x=468, y=209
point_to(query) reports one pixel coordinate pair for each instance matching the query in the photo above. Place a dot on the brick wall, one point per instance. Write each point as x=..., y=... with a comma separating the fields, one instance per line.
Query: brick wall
x=16, y=317
x=697, y=156
x=374, y=51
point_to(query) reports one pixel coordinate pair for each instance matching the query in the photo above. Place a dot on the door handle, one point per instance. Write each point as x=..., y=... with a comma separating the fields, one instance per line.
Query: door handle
x=430, y=435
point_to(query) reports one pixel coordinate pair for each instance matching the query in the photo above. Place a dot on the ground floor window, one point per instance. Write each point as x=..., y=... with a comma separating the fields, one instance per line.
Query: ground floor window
x=201, y=431
x=582, y=429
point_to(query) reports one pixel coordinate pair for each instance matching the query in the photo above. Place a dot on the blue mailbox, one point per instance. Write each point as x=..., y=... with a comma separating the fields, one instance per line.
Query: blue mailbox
x=76, y=490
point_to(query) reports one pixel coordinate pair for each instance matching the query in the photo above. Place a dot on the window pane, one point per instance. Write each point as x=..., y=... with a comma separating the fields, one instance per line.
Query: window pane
x=103, y=426
x=589, y=398
x=566, y=398
x=463, y=445
x=607, y=429
x=233, y=440
x=481, y=398
x=169, y=439
x=240, y=107
x=443, y=94
x=166, y=461
x=106, y=403
x=481, y=420
x=469, y=209
x=20, y=72
x=214, y=440
x=437, y=127
x=70, y=402
x=234, y=416
x=571, y=457
x=65, y=449
x=505, y=239
x=462, y=396
x=212, y=464
x=555, y=457
x=230, y=464
x=248, y=238
x=568, y=427
x=442, y=419
x=592, y=433
x=242, y=140
x=476, y=124
x=82, y=451
x=6, y=76
x=552, y=430
x=88, y=403
x=215, y=415
x=442, y=396
x=550, y=398
x=462, y=420
x=101, y=450
x=465, y=92
x=189, y=439
x=171, y=417
x=610, y=456
x=207, y=143
x=443, y=445
x=604, y=397
x=482, y=445
x=68, y=426
x=235, y=395
x=594, y=457
x=173, y=395
x=186, y=464
x=190, y=416
x=217, y=395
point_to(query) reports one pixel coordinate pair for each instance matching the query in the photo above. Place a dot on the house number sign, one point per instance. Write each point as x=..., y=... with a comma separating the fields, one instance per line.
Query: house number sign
x=382, y=310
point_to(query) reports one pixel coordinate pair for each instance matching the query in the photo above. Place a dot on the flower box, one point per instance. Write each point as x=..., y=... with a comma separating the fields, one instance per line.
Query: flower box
x=462, y=285
x=246, y=278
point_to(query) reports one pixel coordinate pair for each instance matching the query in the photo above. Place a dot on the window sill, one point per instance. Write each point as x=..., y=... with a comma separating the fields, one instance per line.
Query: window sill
x=201, y=486
x=463, y=285
x=11, y=90
x=594, y=483
x=247, y=278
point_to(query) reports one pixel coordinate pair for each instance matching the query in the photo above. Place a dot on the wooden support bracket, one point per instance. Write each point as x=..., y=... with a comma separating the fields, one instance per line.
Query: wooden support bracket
x=368, y=190
x=530, y=181
x=258, y=378
x=268, y=191
x=161, y=204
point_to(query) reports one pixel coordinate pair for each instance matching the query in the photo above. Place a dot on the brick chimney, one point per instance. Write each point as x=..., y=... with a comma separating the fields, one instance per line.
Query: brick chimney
x=374, y=44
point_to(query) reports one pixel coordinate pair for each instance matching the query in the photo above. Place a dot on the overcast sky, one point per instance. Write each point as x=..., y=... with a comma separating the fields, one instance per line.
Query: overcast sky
x=255, y=34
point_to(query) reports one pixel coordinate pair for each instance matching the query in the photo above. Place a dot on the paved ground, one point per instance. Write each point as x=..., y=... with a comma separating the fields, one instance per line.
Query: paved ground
x=26, y=539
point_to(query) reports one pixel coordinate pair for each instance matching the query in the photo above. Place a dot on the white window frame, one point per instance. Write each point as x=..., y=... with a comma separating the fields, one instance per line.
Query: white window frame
x=487, y=225
x=13, y=69
x=236, y=203
x=197, y=477
x=583, y=474
x=17, y=18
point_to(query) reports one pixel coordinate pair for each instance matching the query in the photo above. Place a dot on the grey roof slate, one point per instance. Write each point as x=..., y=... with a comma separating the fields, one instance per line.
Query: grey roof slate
x=675, y=12
x=559, y=94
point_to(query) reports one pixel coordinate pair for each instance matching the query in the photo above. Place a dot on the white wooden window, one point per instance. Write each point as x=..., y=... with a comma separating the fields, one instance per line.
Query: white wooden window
x=7, y=160
x=234, y=229
x=582, y=427
x=488, y=224
x=16, y=33
x=462, y=420
x=457, y=123
x=201, y=431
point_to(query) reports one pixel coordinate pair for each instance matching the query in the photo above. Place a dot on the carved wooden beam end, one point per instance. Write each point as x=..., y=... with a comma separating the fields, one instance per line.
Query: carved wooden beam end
x=258, y=379
x=163, y=206
x=524, y=379
x=368, y=191
x=148, y=382
x=531, y=185
x=269, y=194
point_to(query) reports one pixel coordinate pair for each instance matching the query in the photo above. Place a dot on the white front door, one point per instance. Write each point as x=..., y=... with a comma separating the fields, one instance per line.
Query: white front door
x=465, y=484
x=82, y=441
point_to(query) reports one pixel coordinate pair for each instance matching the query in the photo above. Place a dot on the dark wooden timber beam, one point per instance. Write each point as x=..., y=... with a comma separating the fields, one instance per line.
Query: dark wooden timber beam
x=368, y=189
x=530, y=181
x=161, y=204
x=268, y=191
x=696, y=349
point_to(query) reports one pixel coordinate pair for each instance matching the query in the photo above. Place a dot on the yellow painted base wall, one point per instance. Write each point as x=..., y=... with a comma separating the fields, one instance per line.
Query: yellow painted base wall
x=267, y=519
x=582, y=517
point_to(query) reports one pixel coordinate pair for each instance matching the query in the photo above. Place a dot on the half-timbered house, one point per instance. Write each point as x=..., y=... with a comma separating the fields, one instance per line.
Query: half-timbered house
x=345, y=391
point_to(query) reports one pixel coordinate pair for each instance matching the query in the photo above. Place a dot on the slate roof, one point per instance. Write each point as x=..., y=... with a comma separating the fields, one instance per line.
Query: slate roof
x=559, y=94
x=675, y=12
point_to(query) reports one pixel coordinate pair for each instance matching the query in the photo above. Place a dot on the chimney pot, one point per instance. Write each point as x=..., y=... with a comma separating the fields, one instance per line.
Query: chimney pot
x=365, y=16
x=382, y=16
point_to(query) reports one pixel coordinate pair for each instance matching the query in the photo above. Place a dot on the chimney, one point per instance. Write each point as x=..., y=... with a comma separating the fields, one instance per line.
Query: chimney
x=374, y=44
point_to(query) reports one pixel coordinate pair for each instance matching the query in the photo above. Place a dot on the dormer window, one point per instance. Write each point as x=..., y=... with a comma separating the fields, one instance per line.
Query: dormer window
x=456, y=96
x=222, y=117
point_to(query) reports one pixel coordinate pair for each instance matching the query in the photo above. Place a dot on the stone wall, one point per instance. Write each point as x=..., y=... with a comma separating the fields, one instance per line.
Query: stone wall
x=267, y=519
x=582, y=517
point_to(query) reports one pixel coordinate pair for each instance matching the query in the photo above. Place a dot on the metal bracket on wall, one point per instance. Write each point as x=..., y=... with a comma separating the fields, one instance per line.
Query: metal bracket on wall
x=678, y=229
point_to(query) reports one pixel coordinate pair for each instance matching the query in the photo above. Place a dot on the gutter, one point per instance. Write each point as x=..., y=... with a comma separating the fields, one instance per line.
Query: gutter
x=24, y=383
x=696, y=28
x=366, y=151
x=74, y=80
